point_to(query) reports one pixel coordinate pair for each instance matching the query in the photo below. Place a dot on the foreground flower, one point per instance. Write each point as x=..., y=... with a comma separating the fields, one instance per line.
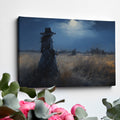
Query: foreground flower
x=55, y=117
x=62, y=114
x=52, y=108
x=73, y=109
x=26, y=106
x=6, y=118
x=69, y=117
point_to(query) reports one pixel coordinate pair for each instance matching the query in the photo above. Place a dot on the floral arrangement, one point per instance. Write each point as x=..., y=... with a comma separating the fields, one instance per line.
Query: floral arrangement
x=42, y=105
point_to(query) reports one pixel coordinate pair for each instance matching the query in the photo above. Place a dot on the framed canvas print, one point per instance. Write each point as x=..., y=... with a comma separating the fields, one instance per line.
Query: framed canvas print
x=65, y=52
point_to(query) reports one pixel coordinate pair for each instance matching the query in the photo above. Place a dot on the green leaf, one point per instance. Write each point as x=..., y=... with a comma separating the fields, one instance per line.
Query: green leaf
x=11, y=101
x=5, y=111
x=52, y=89
x=4, y=81
x=41, y=111
x=91, y=118
x=29, y=91
x=63, y=100
x=80, y=113
x=49, y=98
x=1, y=102
x=5, y=92
x=116, y=102
x=14, y=86
x=13, y=89
x=42, y=93
x=107, y=104
x=114, y=112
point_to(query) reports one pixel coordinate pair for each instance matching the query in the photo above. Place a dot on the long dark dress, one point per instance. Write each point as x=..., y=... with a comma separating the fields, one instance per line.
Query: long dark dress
x=47, y=65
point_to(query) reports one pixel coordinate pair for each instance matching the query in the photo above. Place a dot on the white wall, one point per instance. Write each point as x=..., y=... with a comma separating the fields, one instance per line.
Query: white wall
x=86, y=9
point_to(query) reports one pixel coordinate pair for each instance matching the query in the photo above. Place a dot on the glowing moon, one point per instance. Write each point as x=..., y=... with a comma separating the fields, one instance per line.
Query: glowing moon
x=73, y=23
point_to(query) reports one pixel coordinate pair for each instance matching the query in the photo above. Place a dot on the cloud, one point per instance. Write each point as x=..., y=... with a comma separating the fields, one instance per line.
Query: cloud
x=74, y=28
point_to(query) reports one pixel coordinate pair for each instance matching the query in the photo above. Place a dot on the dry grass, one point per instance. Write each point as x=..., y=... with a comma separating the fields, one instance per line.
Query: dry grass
x=78, y=70
x=28, y=63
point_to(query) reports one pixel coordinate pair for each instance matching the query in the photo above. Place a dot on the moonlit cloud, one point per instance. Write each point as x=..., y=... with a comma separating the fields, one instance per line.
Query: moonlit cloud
x=74, y=28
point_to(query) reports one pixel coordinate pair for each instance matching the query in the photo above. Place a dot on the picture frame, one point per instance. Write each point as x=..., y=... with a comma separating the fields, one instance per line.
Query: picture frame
x=65, y=52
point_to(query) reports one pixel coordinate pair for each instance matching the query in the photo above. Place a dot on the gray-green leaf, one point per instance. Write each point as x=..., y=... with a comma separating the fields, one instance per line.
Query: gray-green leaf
x=42, y=93
x=80, y=113
x=31, y=116
x=91, y=118
x=28, y=100
x=116, y=102
x=11, y=101
x=1, y=102
x=49, y=98
x=41, y=111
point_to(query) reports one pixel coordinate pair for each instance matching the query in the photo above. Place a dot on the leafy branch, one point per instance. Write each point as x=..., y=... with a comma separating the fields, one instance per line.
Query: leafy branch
x=113, y=109
x=9, y=104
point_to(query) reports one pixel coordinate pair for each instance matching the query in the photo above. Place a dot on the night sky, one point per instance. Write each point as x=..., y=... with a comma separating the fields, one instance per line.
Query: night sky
x=70, y=34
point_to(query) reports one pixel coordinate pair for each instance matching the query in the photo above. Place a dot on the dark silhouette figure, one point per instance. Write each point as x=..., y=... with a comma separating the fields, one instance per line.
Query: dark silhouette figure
x=47, y=65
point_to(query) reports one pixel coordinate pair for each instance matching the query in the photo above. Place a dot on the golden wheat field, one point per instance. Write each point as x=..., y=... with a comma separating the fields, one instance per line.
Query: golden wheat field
x=74, y=70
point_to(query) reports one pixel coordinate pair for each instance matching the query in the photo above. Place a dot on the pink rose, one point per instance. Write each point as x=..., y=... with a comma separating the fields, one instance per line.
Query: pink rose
x=69, y=117
x=51, y=107
x=61, y=112
x=75, y=107
x=6, y=118
x=55, y=117
x=26, y=106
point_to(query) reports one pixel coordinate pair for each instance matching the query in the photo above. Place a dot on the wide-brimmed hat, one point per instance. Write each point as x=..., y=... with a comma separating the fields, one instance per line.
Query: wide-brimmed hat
x=48, y=32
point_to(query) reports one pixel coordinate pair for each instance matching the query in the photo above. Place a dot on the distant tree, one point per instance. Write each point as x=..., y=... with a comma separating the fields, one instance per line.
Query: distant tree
x=97, y=51
x=74, y=52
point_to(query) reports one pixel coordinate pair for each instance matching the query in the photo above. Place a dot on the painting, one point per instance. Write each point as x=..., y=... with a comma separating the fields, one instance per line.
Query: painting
x=65, y=52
